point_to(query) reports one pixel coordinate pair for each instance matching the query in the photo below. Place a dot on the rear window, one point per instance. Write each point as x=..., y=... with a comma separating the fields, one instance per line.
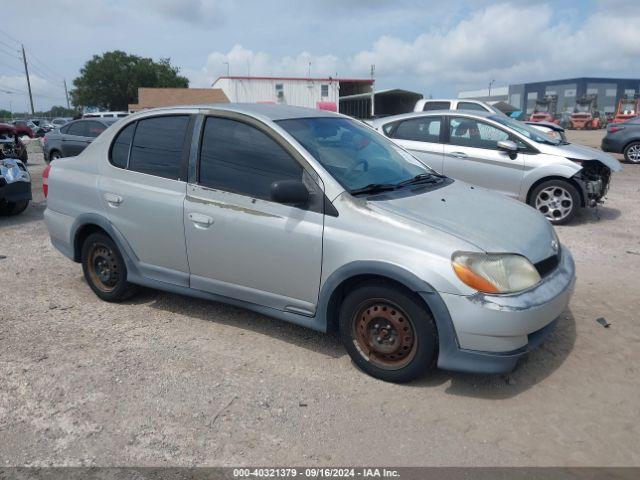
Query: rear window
x=436, y=106
x=426, y=129
x=77, y=129
x=121, y=145
x=93, y=129
x=157, y=146
x=471, y=106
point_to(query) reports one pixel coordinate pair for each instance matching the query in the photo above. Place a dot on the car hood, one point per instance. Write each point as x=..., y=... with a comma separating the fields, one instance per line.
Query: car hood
x=489, y=221
x=580, y=152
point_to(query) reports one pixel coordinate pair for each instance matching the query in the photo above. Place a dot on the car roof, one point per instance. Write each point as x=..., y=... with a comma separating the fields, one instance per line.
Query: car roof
x=403, y=116
x=105, y=120
x=269, y=111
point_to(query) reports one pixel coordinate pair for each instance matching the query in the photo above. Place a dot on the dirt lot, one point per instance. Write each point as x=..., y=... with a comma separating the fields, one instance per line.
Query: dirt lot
x=168, y=380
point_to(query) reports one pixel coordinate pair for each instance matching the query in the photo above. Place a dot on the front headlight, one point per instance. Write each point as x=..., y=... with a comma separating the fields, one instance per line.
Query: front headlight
x=495, y=272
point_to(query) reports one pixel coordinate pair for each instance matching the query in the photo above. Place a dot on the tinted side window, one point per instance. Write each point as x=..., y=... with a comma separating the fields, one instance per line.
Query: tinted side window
x=239, y=158
x=471, y=106
x=425, y=129
x=120, y=146
x=93, y=129
x=436, y=106
x=77, y=129
x=157, y=146
x=468, y=132
x=65, y=129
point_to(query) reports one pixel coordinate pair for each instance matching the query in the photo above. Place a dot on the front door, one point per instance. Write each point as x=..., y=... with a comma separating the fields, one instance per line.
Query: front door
x=472, y=155
x=241, y=244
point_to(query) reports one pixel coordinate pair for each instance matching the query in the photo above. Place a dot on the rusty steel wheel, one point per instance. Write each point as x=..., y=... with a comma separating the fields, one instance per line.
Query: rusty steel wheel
x=103, y=267
x=384, y=334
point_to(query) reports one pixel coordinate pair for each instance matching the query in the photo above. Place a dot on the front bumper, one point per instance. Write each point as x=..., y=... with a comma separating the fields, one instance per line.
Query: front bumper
x=491, y=332
x=15, y=192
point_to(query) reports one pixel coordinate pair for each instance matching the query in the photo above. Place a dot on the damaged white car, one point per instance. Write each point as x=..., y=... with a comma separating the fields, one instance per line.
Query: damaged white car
x=499, y=153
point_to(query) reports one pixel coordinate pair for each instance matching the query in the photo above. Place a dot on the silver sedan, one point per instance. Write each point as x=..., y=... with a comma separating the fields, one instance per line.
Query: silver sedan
x=507, y=156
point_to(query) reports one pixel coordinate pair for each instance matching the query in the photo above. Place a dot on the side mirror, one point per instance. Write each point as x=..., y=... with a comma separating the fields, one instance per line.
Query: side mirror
x=508, y=146
x=289, y=192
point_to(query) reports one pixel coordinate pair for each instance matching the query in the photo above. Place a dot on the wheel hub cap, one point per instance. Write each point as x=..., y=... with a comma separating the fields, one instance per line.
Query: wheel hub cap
x=103, y=268
x=555, y=203
x=384, y=335
x=634, y=153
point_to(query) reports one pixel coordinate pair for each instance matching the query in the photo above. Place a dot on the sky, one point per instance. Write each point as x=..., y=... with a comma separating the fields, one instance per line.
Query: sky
x=436, y=48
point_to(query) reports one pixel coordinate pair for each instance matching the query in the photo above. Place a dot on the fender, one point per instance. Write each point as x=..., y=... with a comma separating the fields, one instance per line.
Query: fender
x=546, y=171
x=447, y=338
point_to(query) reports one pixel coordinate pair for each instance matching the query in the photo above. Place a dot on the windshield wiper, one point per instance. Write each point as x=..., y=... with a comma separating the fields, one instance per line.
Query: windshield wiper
x=421, y=178
x=373, y=188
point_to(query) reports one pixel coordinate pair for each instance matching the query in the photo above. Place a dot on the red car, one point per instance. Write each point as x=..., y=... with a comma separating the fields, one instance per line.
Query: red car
x=23, y=128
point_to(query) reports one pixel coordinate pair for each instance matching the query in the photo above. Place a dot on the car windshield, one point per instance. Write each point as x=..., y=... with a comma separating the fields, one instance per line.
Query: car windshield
x=523, y=129
x=354, y=154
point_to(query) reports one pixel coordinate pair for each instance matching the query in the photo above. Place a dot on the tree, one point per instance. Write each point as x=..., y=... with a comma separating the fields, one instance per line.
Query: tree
x=111, y=81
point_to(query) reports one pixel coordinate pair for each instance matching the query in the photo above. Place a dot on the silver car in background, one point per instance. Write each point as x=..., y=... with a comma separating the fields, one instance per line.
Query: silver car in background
x=316, y=219
x=502, y=154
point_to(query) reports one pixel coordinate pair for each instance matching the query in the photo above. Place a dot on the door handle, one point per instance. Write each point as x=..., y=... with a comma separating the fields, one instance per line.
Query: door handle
x=200, y=220
x=113, y=200
x=457, y=154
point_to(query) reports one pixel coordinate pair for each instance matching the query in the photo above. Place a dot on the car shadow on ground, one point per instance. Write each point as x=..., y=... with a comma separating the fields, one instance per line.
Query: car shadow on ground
x=531, y=369
x=594, y=215
x=325, y=344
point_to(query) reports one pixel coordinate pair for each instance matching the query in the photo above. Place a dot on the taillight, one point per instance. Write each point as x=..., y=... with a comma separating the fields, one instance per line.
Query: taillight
x=615, y=128
x=45, y=180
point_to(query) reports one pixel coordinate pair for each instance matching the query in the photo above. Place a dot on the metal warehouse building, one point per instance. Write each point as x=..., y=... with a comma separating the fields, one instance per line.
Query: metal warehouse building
x=523, y=96
x=322, y=93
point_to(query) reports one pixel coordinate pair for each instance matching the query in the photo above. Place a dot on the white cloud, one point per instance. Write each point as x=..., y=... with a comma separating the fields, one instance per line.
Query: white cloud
x=243, y=61
x=509, y=42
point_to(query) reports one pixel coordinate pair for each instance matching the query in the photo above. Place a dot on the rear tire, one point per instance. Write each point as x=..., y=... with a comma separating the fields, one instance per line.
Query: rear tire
x=558, y=200
x=388, y=332
x=105, y=269
x=632, y=152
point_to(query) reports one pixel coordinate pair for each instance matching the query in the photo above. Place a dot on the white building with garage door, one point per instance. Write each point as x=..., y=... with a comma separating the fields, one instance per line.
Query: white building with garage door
x=322, y=93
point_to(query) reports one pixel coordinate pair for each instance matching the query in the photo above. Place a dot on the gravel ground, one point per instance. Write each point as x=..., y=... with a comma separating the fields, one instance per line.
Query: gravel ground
x=169, y=380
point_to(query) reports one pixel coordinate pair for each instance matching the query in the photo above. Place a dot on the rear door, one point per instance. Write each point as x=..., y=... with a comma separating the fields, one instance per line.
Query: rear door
x=471, y=154
x=421, y=136
x=143, y=192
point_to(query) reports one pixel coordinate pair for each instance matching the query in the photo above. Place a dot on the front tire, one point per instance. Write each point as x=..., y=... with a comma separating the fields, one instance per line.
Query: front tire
x=632, y=152
x=105, y=270
x=558, y=200
x=388, y=332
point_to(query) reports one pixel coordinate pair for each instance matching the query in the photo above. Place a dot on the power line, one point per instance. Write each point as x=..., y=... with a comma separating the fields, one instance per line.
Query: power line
x=44, y=65
x=12, y=68
x=10, y=36
x=14, y=55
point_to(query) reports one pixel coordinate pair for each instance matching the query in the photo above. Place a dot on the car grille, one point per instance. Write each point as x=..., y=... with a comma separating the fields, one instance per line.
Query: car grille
x=548, y=265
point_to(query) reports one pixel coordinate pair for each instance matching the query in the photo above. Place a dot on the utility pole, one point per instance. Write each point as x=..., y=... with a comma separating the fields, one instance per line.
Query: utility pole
x=490, y=83
x=66, y=93
x=26, y=72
